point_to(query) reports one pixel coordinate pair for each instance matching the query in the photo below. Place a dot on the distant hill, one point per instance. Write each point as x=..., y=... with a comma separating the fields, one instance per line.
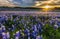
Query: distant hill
x=19, y=8
x=24, y=9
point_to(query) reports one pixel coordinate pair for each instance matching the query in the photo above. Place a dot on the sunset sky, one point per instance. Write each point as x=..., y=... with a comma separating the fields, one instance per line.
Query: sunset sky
x=27, y=3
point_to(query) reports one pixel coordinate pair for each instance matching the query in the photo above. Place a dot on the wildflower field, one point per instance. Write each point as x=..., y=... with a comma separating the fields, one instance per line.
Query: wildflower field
x=29, y=27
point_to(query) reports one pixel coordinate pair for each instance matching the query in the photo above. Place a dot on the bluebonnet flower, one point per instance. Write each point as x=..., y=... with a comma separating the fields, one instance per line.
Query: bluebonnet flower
x=34, y=34
x=39, y=27
x=26, y=31
x=1, y=19
x=58, y=23
x=6, y=17
x=52, y=22
x=4, y=35
x=11, y=17
x=14, y=20
x=0, y=31
x=17, y=35
x=29, y=35
x=13, y=27
x=39, y=37
x=9, y=29
x=3, y=28
x=8, y=35
x=25, y=25
x=55, y=26
x=34, y=28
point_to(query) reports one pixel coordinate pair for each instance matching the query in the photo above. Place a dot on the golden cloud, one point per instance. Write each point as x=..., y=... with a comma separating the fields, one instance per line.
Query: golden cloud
x=6, y=3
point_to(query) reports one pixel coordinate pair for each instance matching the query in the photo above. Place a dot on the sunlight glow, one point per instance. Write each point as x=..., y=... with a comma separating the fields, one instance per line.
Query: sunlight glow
x=47, y=8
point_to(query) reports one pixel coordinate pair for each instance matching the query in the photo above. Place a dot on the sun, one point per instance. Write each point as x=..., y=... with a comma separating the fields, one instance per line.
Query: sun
x=47, y=8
